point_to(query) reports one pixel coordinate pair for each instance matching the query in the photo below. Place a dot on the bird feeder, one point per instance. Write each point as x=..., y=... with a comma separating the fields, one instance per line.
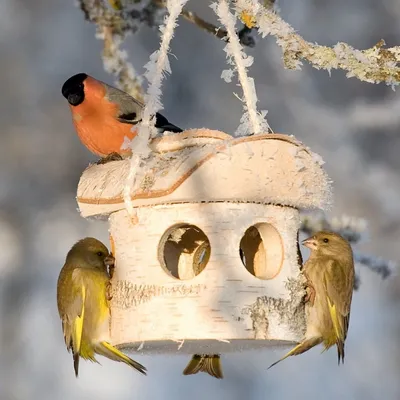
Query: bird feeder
x=210, y=261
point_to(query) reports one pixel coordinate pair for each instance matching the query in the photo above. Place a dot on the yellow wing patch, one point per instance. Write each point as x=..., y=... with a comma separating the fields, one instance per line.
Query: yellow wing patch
x=334, y=317
x=78, y=325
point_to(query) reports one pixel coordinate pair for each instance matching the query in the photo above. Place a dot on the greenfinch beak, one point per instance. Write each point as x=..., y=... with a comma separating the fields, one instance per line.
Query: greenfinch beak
x=311, y=243
x=109, y=260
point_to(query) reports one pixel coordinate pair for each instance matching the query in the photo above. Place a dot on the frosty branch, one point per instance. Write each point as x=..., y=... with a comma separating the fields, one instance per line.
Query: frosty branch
x=111, y=28
x=116, y=62
x=157, y=67
x=252, y=122
x=373, y=65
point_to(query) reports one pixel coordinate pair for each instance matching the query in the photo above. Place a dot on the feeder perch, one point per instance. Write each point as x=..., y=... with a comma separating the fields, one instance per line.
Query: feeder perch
x=211, y=258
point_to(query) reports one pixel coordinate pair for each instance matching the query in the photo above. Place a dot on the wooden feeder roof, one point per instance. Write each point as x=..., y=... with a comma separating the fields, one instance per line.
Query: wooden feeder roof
x=202, y=165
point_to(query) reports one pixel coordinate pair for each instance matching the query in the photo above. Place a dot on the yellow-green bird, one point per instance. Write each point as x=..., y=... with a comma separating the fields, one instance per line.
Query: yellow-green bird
x=82, y=300
x=209, y=363
x=330, y=275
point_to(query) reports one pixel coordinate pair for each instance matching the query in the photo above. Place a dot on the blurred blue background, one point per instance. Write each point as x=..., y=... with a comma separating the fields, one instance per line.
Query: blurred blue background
x=354, y=126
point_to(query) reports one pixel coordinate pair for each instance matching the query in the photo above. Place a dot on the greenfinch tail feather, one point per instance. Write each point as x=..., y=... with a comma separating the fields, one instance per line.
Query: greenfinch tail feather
x=194, y=366
x=340, y=334
x=76, y=363
x=109, y=351
x=213, y=366
x=210, y=364
x=299, y=349
x=340, y=349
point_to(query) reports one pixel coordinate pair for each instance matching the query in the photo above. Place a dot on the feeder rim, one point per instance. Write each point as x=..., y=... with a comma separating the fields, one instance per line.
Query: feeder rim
x=178, y=141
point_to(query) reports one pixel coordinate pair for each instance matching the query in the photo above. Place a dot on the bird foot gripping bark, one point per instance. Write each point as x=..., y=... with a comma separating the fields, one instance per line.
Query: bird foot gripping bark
x=109, y=295
x=310, y=292
x=109, y=158
x=111, y=270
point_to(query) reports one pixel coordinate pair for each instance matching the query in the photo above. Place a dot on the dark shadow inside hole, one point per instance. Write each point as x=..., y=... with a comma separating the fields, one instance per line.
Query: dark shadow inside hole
x=184, y=251
x=249, y=246
x=261, y=251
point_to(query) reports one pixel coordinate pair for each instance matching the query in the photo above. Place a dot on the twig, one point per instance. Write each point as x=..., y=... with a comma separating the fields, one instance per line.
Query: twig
x=373, y=65
x=204, y=25
x=376, y=264
x=116, y=62
x=112, y=29
x=157, y=67
x=97, y=12
x=244, y=34
x=252, y=121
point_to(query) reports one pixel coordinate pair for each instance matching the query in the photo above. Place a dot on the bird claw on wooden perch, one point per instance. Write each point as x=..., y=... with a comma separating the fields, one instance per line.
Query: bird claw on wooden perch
x=109, y=158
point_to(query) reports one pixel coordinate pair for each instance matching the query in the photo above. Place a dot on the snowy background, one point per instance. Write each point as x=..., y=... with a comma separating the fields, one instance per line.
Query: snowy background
x=354, y=126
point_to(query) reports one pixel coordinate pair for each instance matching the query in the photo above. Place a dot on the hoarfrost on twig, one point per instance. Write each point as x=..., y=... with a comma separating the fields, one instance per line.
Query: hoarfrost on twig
x=374, y=65
x=116, y=62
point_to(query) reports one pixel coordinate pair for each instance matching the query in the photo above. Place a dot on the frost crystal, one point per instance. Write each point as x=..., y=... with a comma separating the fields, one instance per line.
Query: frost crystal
x=227, y=75
x=317, y=158
x=126, y=144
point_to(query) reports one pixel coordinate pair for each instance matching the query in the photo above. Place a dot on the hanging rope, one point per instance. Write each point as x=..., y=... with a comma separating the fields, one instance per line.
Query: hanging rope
x=252, y=122
x=156, y=68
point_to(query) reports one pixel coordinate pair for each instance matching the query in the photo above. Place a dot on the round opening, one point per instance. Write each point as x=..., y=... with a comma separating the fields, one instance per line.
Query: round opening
x=184, y=251
x=261, y=251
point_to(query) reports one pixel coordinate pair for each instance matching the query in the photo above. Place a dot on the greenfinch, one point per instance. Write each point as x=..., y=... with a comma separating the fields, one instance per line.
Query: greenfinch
x=330, y=275
x=83, y=293
x=211, y=364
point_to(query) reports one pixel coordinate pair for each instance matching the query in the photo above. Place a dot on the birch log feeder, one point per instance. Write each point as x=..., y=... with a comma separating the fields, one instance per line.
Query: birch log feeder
x=211, y=262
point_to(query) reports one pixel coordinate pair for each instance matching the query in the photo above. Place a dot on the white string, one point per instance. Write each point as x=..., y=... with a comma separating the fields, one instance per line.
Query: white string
x=252, y=122
x=157, y=66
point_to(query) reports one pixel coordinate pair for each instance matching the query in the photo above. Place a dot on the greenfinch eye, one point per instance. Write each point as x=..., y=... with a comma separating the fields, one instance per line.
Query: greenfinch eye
x=325, y=240
x=100, y=253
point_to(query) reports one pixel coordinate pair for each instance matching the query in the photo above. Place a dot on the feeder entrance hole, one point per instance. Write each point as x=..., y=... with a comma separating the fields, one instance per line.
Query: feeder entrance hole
x=261, y=251
x=184, y=251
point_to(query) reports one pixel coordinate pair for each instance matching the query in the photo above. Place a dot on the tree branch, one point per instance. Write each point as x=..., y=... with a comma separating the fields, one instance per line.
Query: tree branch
x=244, y=34
x=116, y=62
x=112, y=28
x=373, y=65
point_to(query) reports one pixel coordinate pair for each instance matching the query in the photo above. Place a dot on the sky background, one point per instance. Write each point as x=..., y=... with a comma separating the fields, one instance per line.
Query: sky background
x=353, y=125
